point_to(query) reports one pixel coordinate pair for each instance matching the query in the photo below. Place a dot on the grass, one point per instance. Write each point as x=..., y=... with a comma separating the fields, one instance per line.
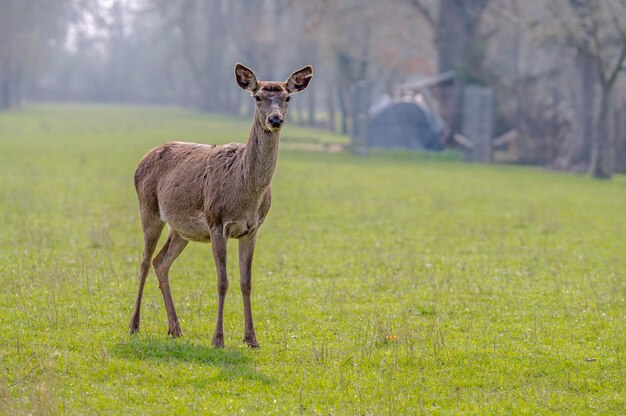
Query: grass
x=387, y=284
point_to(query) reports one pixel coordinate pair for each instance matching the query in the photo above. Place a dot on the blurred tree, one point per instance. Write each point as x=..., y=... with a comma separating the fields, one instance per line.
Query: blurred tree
x=597, y=30
x=460, y=45
x=29, y=32
x=459, y=41
x=200, y=28
x=554, y=64
x=342, y=27
x=213, y=34
x=369, y=45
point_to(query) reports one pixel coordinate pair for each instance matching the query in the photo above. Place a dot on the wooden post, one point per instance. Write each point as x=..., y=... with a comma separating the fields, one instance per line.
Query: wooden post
x=478, y=122
x=360, y=115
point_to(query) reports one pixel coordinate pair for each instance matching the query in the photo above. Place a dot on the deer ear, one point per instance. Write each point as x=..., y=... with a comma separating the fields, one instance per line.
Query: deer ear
x=245, y=78
x=300, y=79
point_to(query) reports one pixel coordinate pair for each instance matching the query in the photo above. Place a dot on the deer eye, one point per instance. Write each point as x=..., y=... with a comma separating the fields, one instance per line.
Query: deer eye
x=287, y=99
x=257, y=98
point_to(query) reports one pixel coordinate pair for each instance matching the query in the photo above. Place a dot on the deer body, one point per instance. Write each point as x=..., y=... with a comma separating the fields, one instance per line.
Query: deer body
x=208, y=193
x=197, y=187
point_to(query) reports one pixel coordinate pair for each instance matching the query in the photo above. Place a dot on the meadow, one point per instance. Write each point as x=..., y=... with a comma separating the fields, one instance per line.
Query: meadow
x=392, y=283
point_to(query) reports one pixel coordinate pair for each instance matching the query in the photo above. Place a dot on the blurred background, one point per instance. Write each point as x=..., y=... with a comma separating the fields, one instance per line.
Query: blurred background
x=522, y=81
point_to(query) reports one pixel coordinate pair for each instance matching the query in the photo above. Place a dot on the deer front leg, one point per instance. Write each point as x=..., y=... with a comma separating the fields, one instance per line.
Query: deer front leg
x=218, y=243
x=246, y=251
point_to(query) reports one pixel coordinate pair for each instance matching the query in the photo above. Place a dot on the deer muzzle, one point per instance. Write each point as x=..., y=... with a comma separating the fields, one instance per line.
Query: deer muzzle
x=275, y=121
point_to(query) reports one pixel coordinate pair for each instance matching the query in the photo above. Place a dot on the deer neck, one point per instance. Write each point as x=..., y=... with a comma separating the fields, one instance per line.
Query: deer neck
x=260, y=157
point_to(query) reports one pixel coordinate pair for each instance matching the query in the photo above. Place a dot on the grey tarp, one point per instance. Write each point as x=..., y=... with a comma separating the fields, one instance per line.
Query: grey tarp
x=404, y=125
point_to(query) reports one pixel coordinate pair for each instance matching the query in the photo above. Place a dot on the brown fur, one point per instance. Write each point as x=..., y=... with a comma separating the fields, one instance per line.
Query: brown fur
x=209, y=193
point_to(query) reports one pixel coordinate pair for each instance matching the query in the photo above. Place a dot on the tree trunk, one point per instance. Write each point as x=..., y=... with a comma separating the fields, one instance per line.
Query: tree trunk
x=602, y=163
x=237, y=101
x=7, y=54
x=459, y=49
x=619, y=134
x=300, y=108
x=588, y=83
x=330, y=106
x=455, y=34
x=215, y=78
x=343, y=109
x=577, y=152
x=5, y=93
x=311, y=107
x=16, y=89
x=360, y=105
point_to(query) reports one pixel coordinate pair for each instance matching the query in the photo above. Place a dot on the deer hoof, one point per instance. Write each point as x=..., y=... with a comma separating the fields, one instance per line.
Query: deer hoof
x=253, y=344
x=218, y=341
x=134, y=325
x=175, y=331
x=251, y=341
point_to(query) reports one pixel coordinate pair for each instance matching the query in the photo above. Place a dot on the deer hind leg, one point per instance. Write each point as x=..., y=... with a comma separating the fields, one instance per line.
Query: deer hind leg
x=152, y=227
x=174, y=245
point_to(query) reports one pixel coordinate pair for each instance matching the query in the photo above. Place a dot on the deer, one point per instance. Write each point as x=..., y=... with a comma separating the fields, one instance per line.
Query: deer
x=212, y=193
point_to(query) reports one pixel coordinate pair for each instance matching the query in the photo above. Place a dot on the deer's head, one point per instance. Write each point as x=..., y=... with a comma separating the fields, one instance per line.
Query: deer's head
x=272, y=98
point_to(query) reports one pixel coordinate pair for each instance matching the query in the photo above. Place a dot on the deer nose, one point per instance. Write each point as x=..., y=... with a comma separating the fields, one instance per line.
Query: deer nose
x=275, y=120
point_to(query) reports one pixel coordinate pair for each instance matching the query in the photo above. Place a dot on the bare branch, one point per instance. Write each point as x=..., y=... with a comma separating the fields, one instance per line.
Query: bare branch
x=572, y=33
x=587, y=43
x=474, y=9
x=424, y=11
x=623, y=4
x=615, y=15
x=595, y=51
x=620, y=63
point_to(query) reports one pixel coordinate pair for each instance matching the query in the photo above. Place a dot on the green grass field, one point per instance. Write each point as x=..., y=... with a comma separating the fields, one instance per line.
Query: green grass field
x=387, y=284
